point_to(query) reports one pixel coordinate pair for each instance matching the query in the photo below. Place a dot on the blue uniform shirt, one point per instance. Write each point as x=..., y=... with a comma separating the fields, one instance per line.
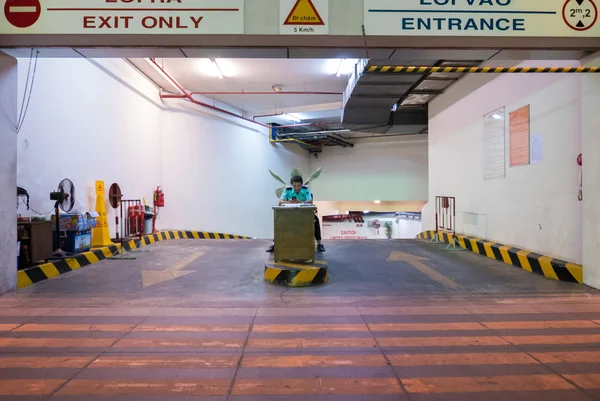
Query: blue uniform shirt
x=304, y=195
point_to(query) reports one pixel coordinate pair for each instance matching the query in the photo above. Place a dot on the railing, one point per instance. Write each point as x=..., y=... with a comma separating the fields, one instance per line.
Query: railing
x=445, y=214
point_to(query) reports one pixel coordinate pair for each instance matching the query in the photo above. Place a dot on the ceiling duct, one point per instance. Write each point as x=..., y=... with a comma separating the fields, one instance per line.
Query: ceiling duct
x=394, y=103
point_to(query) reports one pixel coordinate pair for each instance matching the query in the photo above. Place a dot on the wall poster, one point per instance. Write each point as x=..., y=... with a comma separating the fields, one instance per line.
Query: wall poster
x=519, y=137
x=494, y=138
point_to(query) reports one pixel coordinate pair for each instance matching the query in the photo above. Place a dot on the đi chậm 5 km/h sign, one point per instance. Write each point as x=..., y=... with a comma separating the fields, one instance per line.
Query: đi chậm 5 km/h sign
x=509, y=18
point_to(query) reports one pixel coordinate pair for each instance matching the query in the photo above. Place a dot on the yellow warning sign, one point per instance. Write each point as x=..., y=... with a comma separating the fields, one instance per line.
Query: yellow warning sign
x=304, y=17
x=99, y=187
x=100, y=234
x=304, y=13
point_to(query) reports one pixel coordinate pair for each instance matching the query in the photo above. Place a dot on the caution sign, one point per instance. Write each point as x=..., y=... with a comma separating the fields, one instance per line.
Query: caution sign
x=99, y=187
x=304, y=17
x=580, y=15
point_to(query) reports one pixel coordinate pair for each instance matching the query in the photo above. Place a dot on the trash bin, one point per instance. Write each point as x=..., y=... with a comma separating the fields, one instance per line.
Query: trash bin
x=148, y=218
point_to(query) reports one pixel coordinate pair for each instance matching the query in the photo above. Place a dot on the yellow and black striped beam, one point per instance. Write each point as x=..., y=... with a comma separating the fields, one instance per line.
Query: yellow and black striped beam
x=46, y=271
x=391, y=69
x=296, y=274
x=532, y=262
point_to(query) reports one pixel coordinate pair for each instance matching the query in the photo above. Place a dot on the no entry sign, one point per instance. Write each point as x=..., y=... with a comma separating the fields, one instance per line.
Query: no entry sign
x=22, y=13
x=122, y=17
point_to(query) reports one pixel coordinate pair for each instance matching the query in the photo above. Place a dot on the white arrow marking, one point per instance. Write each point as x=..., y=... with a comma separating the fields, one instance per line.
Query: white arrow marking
x=150, y=278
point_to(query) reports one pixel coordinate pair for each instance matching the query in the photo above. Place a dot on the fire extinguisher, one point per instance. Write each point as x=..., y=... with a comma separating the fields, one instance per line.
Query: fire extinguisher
x=159, y=197
x=580, y=163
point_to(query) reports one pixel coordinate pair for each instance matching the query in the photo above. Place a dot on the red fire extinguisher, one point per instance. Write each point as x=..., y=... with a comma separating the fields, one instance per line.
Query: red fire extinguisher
x=159, y=197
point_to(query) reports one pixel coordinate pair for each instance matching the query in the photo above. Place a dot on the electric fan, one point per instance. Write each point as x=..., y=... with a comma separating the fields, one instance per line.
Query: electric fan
x=65, y=199
x=22, y=193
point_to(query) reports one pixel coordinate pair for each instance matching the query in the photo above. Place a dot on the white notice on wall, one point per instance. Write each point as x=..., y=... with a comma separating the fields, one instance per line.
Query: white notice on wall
x=494, y=162
x=536, y=149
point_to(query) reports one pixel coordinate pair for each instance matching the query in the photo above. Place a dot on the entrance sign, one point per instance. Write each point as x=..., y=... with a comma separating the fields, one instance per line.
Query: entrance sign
x=122, y=17
x=304, y=17
x=501, y=18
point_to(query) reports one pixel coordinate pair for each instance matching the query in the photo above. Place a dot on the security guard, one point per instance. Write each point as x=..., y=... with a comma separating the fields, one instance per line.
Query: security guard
x=299, y=193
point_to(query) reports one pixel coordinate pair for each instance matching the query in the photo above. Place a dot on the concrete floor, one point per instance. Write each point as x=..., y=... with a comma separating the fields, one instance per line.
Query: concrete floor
x=399, y=320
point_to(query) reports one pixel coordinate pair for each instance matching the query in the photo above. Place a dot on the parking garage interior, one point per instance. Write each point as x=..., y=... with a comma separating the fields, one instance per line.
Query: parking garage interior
x=458, y=214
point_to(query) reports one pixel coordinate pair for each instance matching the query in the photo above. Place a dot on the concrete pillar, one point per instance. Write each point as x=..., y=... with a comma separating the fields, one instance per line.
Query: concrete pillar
x=8, y=173
x=590, y=118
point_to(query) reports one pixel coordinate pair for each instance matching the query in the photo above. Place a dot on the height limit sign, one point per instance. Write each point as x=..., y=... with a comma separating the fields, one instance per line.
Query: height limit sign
x=304, y=17
x=580, y=15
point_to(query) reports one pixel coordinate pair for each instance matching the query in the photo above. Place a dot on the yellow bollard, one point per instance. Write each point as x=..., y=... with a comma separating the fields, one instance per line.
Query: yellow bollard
x=100, y=234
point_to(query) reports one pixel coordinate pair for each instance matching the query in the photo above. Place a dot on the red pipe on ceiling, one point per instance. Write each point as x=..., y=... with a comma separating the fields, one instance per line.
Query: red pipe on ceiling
x=267, y=115
x=266, y=93
x=306, y=125
x=187, y=95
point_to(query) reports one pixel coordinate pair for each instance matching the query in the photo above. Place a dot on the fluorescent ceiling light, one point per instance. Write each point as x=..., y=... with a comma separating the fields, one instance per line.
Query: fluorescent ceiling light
x=217, y=69
x=367, y=212
x=292, y=118
x=339, y=66
x=378, y=202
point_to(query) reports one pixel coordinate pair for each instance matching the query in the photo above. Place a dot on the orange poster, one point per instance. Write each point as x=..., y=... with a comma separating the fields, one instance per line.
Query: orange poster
x=519, y=137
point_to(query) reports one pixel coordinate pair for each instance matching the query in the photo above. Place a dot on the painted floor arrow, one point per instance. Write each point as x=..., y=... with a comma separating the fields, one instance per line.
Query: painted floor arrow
x=153, y=277
x=417, y=262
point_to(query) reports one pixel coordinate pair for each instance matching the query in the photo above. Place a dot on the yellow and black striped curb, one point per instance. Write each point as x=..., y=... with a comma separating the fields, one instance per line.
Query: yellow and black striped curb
x=547, y=266
x=296, y=274
x=46, y=271
x=391, y=69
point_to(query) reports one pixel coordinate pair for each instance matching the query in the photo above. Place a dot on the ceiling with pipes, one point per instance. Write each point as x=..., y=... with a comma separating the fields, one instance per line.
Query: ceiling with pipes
x=329, y=101
x=312, y=95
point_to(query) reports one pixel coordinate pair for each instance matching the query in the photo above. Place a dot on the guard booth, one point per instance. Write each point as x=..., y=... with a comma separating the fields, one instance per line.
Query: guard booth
x=293, y=264
x=294, y=233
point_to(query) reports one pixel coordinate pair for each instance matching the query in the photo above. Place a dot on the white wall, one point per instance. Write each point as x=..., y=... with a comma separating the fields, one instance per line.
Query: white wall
x=91, y=120
x=386, y=170
x=216, y=174
x=8, y=173
x=84, y=123
x=590, y=117
x=534, y=207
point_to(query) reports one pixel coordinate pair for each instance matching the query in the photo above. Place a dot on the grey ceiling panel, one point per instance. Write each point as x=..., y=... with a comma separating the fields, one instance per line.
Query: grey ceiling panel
x=371, y=102
x=390, y=79
x=417, y=99
x=443, y=54
x=383, y=90
x=236, y=53
x=541, y=55
x=61, y=52
x=446, y=75
x=338, y=53
x=130, y=53
x=403, y=61
x=406, y=129
x=366, y=115
x=433, y=85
